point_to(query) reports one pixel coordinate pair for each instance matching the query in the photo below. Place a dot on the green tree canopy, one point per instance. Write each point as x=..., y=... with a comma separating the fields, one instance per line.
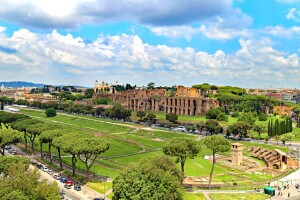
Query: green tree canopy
x=23, y=184
x=239, y=128
x=50, y=112
x=213, y=126
x=157, y=178
x=172, y=117
x=22, y=124
x=7, y=118
x=9, y=136
x=141, y=114
x=88, y=149
x=247, y=117
x=182, y=148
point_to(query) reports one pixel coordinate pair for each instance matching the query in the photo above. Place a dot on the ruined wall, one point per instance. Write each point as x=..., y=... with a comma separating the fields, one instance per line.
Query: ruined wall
x=186, y=101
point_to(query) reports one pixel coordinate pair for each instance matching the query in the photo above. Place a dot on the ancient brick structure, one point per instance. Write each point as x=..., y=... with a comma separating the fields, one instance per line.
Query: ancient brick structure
x=186, y=101
x=237, y=153
x=272, y=158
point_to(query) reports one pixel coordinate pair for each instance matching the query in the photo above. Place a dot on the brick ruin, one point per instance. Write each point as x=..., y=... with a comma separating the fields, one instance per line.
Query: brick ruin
x=185, y=101
x=273, y=158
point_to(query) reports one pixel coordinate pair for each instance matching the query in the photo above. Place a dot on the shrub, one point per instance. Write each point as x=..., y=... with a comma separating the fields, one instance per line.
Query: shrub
x=247, y=117
x=235, y=114
x=172, y=117
x=50, y=112
x=222, y=117
x=262, y=117
x=213, y=113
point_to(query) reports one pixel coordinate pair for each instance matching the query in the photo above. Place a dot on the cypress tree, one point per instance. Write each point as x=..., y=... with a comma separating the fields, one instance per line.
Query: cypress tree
x=276, y=127
x=282, y=128
x=291, y=125
x=269, y=129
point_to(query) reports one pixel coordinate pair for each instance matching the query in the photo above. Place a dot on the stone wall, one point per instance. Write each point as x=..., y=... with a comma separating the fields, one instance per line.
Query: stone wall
x=186, y=101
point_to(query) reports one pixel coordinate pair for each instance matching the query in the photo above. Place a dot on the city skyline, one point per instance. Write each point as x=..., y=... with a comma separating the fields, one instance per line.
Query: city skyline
x=240, y=43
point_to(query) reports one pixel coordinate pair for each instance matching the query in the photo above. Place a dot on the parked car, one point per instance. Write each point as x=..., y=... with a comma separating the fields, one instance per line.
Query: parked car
x=7, y=147
x=39, y=165
x=69, y=182
x=99, y=198
x=57, y=176
x=14, y=152
x=77, y=187
x=50, y=171
x=68, y=186
x=63, y=180
x=45, y=169
x=180, y=128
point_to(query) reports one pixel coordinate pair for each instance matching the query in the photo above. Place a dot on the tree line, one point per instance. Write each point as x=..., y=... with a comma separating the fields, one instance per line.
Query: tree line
x=80, y=145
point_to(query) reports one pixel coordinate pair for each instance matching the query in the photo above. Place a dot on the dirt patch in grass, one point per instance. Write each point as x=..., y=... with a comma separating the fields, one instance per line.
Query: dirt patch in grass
x=158, y=139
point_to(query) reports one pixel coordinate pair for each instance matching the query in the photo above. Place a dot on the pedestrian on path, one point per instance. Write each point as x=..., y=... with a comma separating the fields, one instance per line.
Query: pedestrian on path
x=288, y=195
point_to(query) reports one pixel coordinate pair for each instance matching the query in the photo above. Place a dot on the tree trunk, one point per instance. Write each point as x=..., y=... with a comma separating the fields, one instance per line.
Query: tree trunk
x=25, y=140
x=59, y=158
x=88, y=169
x=211, y=172
x=73, y=165
x=182, y=167
x=41, y=149
x=2, y=152
x=49, y=151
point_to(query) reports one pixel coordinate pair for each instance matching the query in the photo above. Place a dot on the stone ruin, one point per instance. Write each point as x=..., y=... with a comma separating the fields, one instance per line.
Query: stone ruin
x=185, y=101
x=273, y=158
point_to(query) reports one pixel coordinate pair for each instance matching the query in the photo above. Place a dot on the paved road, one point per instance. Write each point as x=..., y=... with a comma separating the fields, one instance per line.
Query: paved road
x=69, y=194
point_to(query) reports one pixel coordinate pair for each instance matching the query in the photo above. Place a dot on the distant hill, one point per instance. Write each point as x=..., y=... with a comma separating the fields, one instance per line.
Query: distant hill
x=18, y=84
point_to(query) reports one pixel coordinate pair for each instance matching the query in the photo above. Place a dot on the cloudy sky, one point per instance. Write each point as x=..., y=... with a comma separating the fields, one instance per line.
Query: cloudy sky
x=248, y=43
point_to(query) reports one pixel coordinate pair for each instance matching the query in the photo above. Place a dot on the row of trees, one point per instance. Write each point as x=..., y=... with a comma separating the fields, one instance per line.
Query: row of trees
x=80, y=145
x=280, y=127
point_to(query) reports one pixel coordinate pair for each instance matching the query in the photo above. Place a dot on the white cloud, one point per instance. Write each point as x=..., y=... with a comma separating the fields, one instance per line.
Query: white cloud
x=2, y=29
x=126, y=58
x=293, y=14
x=233, y=25
x=281, y=31
x=186, y=32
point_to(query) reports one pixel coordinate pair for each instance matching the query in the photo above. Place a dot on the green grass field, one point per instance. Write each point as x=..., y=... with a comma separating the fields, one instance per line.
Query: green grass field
x=137, y=142
x=246, y=196
x=193, y=196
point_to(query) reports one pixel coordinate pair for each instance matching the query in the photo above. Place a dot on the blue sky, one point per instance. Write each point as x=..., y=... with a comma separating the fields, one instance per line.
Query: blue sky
x=173, y=42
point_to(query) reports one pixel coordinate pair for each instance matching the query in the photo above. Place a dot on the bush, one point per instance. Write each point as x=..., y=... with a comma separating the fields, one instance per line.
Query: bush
x=247, y=117
x=172, y=117
x=151, y=116
x=262, y=117
x=235, y=114
x=222, y=117
x=213, y=113
x=50, y=112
